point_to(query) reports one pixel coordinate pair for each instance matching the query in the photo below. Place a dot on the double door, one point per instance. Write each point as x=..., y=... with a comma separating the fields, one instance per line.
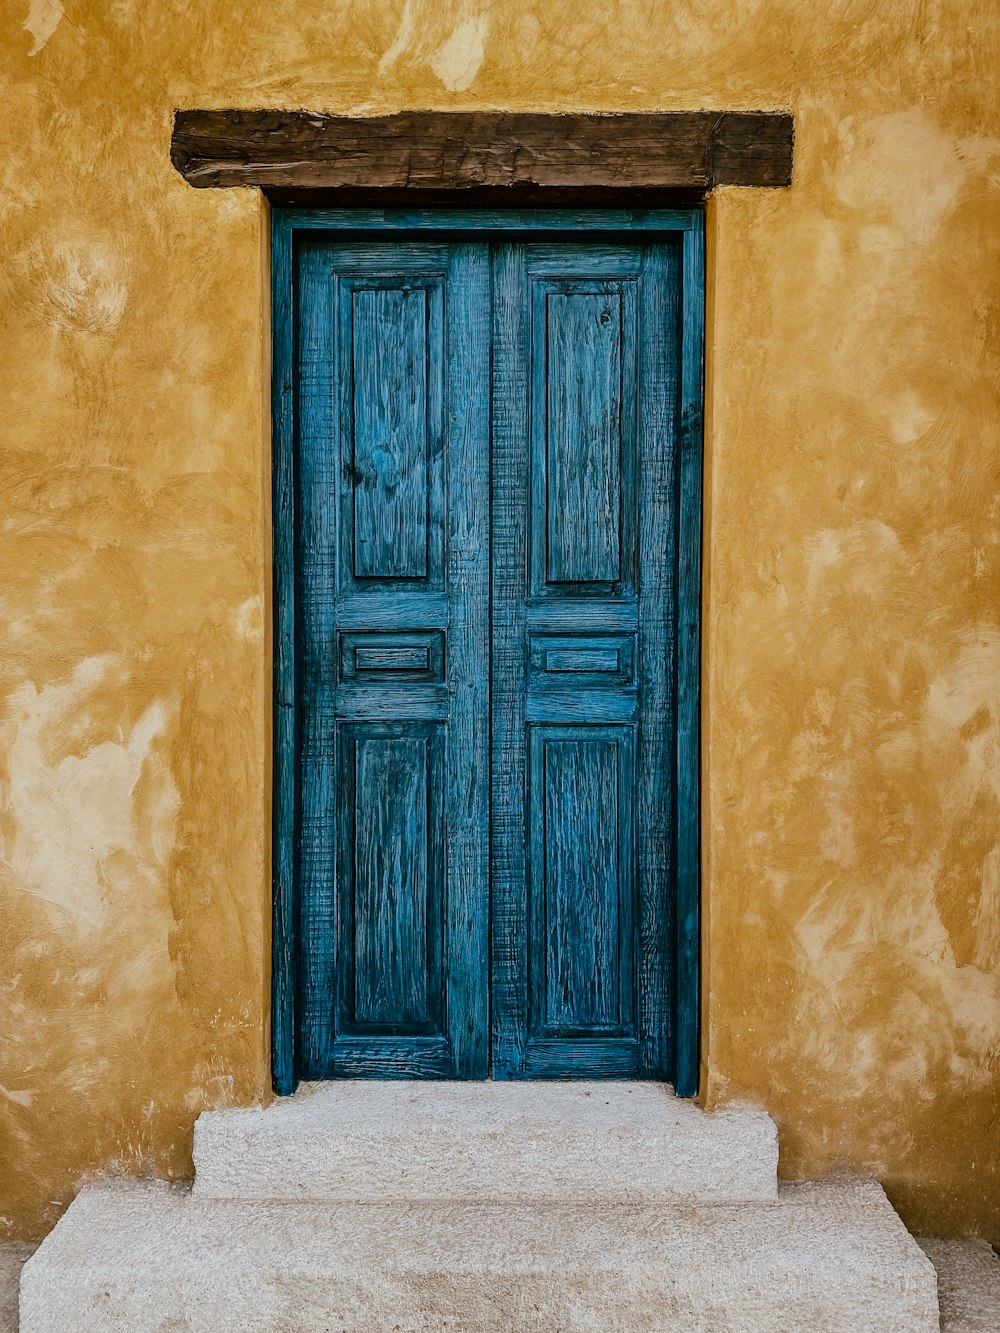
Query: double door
x=487, y=494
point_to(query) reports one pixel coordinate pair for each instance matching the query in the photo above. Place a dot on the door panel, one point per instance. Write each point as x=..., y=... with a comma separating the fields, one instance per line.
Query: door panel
x=391, y=879
x=585, y=369
x=393, y=394
x=581, y=925
x=469, y=412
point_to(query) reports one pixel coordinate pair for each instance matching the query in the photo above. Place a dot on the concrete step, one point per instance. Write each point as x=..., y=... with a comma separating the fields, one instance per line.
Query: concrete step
x=968, y=1283
x=144, y=1258
x=490, y=1142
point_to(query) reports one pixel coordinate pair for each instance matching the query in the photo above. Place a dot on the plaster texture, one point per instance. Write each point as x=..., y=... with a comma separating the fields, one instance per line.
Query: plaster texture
x=574, y=1142
x=968, y=1274
x=851, y=725
x=139, y=1258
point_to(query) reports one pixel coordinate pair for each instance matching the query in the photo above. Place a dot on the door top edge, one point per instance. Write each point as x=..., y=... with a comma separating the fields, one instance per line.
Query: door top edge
x=478, y=221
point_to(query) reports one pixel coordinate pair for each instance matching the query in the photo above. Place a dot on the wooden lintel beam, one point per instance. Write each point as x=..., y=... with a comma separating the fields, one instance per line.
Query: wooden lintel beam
x=516, y=152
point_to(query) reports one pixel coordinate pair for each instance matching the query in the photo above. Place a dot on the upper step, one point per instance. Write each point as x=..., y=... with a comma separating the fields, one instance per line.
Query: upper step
x=570, y=1142
x=137, y=1258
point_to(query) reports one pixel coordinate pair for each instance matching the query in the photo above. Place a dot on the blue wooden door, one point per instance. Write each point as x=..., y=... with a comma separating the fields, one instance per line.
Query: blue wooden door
x=584, y=610
x=489, y=705
x=393, y=575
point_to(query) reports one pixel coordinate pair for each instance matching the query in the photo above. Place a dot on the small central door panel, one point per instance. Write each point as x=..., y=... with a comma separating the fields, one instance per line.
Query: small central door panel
x=486, y=584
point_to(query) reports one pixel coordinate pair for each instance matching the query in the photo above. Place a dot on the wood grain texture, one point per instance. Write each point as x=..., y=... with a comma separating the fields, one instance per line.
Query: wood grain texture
x=687, y=732
x=394, y=661
x=661, y=373
x=389, y=353
x=392, y=835
x=583, y=436
x=389, y=373
x=582, y=463
x=580, y=826
x=580, y=982
x=420, y=151
x=391, y=874
x=284, y=935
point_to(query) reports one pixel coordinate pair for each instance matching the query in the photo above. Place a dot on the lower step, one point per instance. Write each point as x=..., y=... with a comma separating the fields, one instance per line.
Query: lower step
x=141, y=1258
x=366, y=1141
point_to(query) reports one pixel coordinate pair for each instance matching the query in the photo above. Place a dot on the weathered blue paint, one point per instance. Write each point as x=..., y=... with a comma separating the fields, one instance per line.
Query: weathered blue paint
x=687, y=756
x=392, y=884
x=383, y=870
x=586, y=341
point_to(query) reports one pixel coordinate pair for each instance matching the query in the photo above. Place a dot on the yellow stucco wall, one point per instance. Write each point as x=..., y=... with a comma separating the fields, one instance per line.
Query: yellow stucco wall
x=852, y=623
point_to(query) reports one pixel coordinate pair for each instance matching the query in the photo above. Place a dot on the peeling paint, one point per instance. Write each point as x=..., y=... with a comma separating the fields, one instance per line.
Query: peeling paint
x=77, y=817
x=44, y=16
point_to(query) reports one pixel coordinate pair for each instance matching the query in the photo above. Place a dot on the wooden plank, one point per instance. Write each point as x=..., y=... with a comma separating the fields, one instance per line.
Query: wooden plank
x=420, y=151
x=388, y=421
x=687, y=935
x=391, y=425
x=467, y=659
x=659, y=373
x=414, y=217
x=392, y=885
x=315, y=445
x=583, y=445
x=509, y=860
x=580, y=829
x=286, y=749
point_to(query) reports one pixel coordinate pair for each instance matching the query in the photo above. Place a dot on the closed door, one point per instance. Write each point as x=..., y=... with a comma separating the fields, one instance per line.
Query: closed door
x=486, y=599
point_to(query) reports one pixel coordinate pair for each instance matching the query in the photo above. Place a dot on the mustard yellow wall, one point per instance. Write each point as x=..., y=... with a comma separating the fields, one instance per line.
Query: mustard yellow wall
x=852, y=601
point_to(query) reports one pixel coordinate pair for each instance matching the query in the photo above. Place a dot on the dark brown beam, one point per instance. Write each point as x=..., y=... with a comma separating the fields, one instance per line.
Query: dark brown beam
x=497, y=152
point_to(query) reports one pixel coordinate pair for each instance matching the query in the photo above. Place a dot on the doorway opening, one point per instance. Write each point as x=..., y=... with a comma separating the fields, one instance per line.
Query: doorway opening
x=487, y=524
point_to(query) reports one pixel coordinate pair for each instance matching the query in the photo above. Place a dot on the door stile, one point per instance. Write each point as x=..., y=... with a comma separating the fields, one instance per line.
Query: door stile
x=510, y=387
x=467, y=802
x=687, y=808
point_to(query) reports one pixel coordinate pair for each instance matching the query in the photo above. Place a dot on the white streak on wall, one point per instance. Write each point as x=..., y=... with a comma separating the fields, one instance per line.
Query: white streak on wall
x=78, y=838
x=43, y=19
x=403, y=38
x=24, y=1098
x=456, y=61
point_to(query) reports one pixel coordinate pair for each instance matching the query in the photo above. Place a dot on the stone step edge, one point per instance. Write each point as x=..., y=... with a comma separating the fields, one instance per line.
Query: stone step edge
x=344, y=1142
x=831, y=1256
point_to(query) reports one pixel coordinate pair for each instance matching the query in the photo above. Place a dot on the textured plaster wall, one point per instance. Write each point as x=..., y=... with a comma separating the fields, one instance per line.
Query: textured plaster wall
x=852, y=631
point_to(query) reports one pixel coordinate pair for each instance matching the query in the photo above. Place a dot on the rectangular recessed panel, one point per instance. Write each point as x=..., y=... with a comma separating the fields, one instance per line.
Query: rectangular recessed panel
x=582, y=659
x=395, y=873
x=583, y=430
x=389, y=657
x=417, y=658
x=570, y=661
x=390, y=456
x=581, y=873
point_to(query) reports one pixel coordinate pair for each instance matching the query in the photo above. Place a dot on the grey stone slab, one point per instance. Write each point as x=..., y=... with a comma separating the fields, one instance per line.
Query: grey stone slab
x=140, y=1258
x=570, y=1142
x=12, y=1258
x=968, y=1284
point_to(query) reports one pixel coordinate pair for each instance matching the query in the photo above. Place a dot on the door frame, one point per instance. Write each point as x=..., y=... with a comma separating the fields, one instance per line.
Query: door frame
x=689, y=225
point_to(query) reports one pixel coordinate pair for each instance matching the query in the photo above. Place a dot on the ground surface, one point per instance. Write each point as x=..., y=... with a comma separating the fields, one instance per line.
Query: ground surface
x=968, y=1284
x=11, y=1259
